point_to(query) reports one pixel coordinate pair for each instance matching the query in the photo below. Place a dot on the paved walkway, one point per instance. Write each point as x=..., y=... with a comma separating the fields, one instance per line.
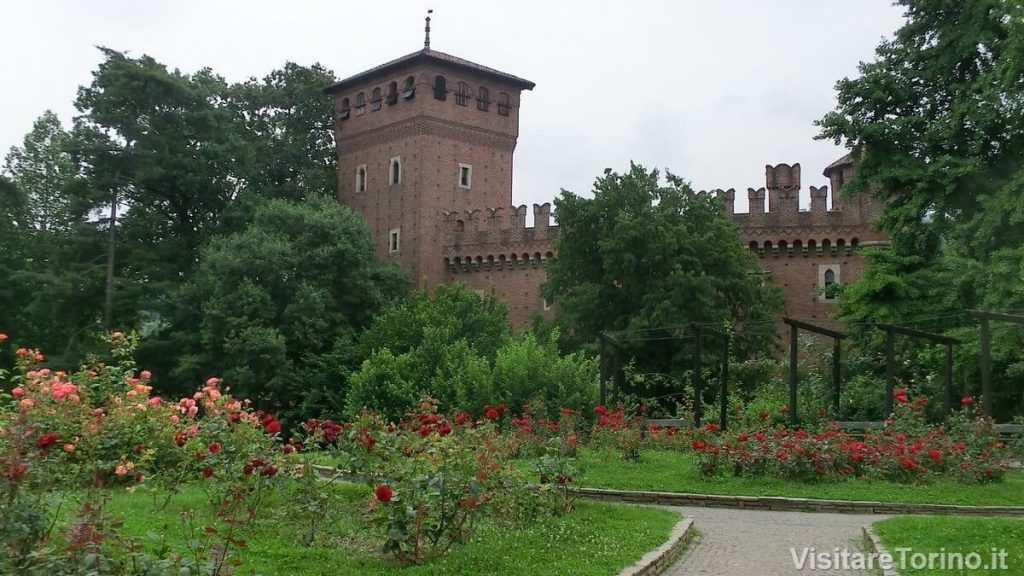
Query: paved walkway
x=757, y=543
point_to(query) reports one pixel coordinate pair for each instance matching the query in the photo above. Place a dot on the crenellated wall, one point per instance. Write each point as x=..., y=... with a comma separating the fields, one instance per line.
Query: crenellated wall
x=798, y=247
x=494, y=249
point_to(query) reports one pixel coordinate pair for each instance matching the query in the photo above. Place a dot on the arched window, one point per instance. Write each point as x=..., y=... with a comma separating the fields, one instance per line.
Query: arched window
x=503, y=104
x=826, y=245
x=811, y=246
x=753, y=246
x=375, y=100
x=395, y=171
x=360, y=104
x=460, y=226
x=830, y=282
x=361, y=178
x=440, y=87
x=483, y=102
x=462, y=94
x=783, y=246
x=345, y=109
x=392, y=93
x=409, y=89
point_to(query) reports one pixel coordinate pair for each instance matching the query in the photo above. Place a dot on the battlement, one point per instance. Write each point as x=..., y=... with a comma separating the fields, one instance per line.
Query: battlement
x=489, y=225
x=782, y=188
x=497, y=238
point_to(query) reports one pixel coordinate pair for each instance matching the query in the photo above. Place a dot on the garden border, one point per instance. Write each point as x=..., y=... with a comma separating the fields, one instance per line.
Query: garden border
x=783, y=504
x=658, y=560
x=874, y=544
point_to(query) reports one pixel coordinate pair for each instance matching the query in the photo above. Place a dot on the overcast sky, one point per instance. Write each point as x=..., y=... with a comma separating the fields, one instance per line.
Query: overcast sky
x=712, y=89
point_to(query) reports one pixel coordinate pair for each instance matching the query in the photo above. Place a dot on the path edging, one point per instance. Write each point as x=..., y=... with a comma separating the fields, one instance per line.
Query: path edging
x=783, y=504
x=657, y=560
x=874, y=544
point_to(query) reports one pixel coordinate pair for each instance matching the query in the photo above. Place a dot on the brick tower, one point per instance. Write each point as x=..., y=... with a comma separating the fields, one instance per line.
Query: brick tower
x=417, y=137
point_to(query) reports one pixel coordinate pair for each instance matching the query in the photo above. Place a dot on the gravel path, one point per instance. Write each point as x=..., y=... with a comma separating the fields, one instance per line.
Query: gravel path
x=757, y=543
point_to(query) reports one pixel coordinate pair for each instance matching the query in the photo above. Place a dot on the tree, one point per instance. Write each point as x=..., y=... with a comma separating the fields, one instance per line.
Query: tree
x=640, y=254
x=43, y=168
x=52, y=266
x=273, y=308
x=454, y=312
x=936, y=128
x=289, y=126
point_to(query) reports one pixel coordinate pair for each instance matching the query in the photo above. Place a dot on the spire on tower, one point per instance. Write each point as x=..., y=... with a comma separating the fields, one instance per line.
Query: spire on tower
x=426, y=41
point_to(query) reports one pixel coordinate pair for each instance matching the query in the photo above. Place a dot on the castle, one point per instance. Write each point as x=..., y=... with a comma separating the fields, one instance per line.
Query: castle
x=425, y=145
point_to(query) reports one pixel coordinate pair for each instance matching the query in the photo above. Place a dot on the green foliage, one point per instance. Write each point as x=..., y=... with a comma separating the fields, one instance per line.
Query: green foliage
x=641, y=254
x=383, y=384
x=271, y=308
x=453, y=312
x=529, y=369
x=936, y=126
x=53, y=256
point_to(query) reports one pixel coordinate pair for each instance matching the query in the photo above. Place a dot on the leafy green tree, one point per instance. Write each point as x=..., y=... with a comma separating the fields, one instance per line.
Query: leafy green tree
x=273, y=308
x=936, y=128
x=288, y=125
x=531, y=368
x=643, y=254
x=53, y=253
x=453, y=312
x=168, y=143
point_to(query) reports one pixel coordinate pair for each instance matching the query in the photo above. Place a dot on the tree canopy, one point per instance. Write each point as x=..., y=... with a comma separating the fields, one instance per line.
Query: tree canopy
x=642, y=254
x=936, y=128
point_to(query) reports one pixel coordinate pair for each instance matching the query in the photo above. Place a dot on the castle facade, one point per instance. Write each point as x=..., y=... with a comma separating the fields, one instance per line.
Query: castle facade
x=425, y=146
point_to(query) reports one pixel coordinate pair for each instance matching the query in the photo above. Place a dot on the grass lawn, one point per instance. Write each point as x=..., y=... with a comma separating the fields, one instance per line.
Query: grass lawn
x=598, y=538
x=955, y=534
x=670, y=471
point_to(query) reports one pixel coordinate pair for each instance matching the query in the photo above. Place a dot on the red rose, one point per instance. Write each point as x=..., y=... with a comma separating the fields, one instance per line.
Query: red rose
x=312, y=423
x=600, y=410
x=900, y=395
x=425, y=430
x=214, y=448
x=935, y=454
x=966, y=401
x=462, y=417
x=491, y=414
x=138, y=477
x=698, y=445
x=206, y=472
x=444, y=430
x=247, y=470
x=742, y=437
x=269, y=470
x=18, y=470
x=47, y=440
x=907, y=464
x=383, y=493
x=367, y=441
x=272, y=427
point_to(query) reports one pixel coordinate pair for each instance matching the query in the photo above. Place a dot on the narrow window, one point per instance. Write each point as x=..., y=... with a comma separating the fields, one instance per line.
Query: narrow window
x=830, y=281
x=395, y=172
x=394, y=240
x=361, y=178
x=440, y=88
x=465, y=175
x=375, y=100
x=409, y=90
x=503, y=104
x=345, y=109
x=484, y=101
x=462, y=94
x=392, y=93
x=460, y=226
x=360, y=104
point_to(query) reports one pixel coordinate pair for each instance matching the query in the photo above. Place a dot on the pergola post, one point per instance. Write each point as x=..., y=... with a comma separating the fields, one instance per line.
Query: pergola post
x=793, y=377
x=698, y=378
x=890, y=370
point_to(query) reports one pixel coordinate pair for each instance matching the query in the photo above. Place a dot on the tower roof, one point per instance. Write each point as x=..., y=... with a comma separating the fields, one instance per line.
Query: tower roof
x=427, y=55
x=846, y=160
